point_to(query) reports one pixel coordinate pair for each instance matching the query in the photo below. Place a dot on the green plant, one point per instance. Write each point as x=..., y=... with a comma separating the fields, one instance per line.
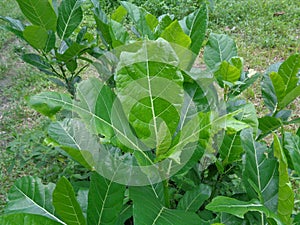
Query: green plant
x=164, y=143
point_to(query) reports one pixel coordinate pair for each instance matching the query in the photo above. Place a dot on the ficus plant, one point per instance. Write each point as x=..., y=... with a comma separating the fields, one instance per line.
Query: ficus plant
x=166, y=142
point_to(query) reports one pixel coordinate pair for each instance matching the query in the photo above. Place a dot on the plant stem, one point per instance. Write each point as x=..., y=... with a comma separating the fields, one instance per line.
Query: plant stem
x=166, y=193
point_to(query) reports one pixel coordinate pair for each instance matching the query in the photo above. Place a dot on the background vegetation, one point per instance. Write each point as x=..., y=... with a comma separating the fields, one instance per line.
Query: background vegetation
x=265, y=31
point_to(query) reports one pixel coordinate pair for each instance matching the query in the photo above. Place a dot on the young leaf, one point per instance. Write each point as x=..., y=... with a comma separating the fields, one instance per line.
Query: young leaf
x=147, y=209
x=29, y=195
x=66, y=205
x=192, y=200
x=218, y=49
x=39, y=12
x=285, y=192
x=194, y=25
x=105, y=201
x=240, y=208
x=36, y=36
x=227, y=72
x=260, y=174
x=119, y=14
x=118, y=34
x=72, y=52
x=69, y=17
x=26, y=219
x=174, y=34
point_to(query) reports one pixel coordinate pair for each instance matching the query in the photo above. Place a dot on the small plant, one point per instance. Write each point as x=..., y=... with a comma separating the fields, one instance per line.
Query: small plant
x=167, y=143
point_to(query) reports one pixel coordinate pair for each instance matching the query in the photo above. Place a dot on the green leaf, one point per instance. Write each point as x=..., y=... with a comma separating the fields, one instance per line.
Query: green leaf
x=37, y=61
x=194, y=25
x=66, y=205
x=268, y=93
x=193, y=200
x=292, y=145
x=49, y=103
x=260, y=174
x=237, y=89
x=50, y=43
x=152, y=21
x=125, y=214
x=40, y=13
x=147, y=209
x=267, y=124
x=231, y=148
x=36, y=36
x=285, y=81
x=69, y=17
x=240, y=208
x=138, y=16
x=285, y=192
x=118, y=34
x=72, y=52
x=119, y=14
x=157, y=82
x=174, y=34
x=227, y=72
x=72, y=136
x=29, y=195
x=105, y=200
x=218, y=49
x=26, y=219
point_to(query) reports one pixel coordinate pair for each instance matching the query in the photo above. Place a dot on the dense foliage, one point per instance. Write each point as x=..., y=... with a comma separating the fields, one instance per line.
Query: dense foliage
x=166, y=142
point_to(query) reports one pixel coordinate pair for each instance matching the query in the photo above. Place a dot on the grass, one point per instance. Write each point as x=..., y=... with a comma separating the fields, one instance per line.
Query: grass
x=262, y=39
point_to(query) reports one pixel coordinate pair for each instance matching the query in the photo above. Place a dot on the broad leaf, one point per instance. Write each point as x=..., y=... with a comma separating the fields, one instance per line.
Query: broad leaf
x=260, y=174
x=227, y=73
x=268, y=124
x=231, y=148
x=37, y=61
x=194, y=25
x=105, y=200
x=246, y=83
x=138, y=16
x=285, y=81
x=39, y=12
x=292, y=145
x=240, y=208
x=118, y=34
x=69, y=17
x=66, y=205
x=285, y=192
x=26, y=219
x=49, y=103
x=72, y=52
x=36, y=36
x=16, y=26
x=268, y=91
x=174, y=34
x=193, y=200
x=29, y=195
x=218, y=49
x=119, y=14
x=147, y=209
x=125, y=214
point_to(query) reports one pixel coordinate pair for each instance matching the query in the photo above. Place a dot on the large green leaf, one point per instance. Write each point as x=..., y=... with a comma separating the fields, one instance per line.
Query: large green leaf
x=148, y=210
x=118, y=34
x=26, y=219
x=72, y=52
x=267, y=124
x=149, y=87
x=218, y=49
x=231, y=148
x=69, y=17
x=66, y=205
x=16, y=26
x=37, y=61
x=260, y=174
x=285, y=192
x=105, y=201
x=292, y=145
x=174, y=34
x=29, y=195
x=36, y=36
x=39, y=12
x=49, y=103
x=139, y=18
x=227, y=73
x=240, y=208
x=193, y=200
x=194, y=25
x=285, y=81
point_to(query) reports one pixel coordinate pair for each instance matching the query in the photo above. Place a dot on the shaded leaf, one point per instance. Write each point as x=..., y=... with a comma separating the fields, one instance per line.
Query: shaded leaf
x=40, y=13
x=16, y=26
x=105, y=200
x=231, y=148
x=66, y=205
x=36, y=36
x=267, y=124
x=292, y=145
x=36, y=60
x=71, y=52
x=193, y=200
x=147, y=209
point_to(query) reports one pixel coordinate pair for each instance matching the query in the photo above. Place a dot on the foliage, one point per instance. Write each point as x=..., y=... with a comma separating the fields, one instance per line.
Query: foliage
x=163, y=142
